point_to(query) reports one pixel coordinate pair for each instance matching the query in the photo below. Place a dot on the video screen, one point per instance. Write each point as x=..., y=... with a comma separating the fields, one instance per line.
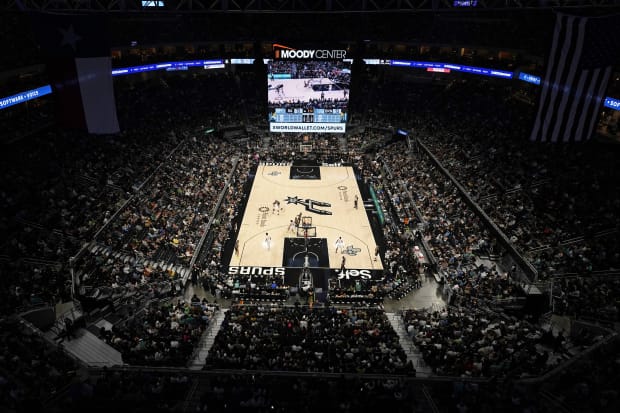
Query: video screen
x=308, y=96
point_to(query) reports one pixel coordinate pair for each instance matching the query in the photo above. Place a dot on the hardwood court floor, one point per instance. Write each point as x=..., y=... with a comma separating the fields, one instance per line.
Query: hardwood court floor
x=337, y=187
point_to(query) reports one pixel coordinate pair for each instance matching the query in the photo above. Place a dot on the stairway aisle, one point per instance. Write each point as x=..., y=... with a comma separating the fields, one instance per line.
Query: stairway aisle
x=206, y=342
x=342, y=143
x=412, y=352
x=88, y=348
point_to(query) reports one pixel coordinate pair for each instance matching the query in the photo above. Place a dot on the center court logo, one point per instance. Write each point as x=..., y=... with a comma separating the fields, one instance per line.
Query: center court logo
x=310, y=204
x=284, y=52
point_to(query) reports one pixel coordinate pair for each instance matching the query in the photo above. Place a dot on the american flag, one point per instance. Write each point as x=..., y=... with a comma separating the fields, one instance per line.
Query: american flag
x=581, y=59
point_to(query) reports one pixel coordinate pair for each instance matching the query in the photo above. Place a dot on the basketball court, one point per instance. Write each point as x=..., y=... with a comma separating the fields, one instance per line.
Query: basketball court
x=324, y=197
x=303, y=90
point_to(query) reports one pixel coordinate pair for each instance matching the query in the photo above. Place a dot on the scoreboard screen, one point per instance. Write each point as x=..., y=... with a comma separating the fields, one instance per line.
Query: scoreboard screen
x=308, y=96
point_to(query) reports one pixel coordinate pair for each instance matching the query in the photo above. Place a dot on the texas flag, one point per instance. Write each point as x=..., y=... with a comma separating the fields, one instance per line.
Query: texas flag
x=77, y=53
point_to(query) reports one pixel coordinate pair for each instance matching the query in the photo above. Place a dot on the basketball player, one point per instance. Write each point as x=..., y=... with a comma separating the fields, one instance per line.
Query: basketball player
x=340, y=244
x=268, y=241
x=298, y=220
x=276, y=207
x=291, y=226
x=355, y=201
x=237, y=248
x=376, y=252
x=342, y=263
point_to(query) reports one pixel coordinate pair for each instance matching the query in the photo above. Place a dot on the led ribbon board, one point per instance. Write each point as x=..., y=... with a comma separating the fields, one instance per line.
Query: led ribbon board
x=453, y=67
x=25, y=96
x=22, y=97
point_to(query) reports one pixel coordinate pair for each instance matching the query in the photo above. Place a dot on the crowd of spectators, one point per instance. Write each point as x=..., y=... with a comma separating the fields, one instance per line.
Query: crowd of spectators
x=110, y=282
x=210, y=99
x=257, y=393
x=307, y=339
x=577, y=240
x=55, y=198
x=31, y=372
x=168, y=215
x=210, y=269
x=428, y=208
x=59, y=192
x=287, y=147
x=136, y=391
x=594, y=298
x=457, y=342
x=552, y=201
x=162, y=334
x=150, y=391
x=337, y=71
x=166, y=218
x=453, y=233
x=588, y=385
x=556, y=203
x=75, y=183
x=487, y=396
x=326, y=103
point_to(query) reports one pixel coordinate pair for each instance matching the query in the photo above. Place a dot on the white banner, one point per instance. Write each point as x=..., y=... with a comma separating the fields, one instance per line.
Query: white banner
x=307, y=127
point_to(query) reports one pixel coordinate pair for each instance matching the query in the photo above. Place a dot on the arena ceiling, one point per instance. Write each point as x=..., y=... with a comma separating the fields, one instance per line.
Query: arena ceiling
x=288, y=6
x=518, y=25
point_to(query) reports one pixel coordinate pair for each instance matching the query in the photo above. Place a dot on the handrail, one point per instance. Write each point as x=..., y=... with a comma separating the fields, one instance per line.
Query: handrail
x=429, y=399
x=558, y=405
x=284, y=373
x=593, y=274
x=39, y=261
x=529, y=270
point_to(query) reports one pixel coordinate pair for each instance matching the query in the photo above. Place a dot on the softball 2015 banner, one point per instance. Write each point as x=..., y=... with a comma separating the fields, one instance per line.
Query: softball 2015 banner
x=77, y=53
x=579, y=66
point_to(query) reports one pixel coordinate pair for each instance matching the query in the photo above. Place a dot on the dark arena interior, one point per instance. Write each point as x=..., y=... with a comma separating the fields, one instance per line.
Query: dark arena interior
x=317, y=205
